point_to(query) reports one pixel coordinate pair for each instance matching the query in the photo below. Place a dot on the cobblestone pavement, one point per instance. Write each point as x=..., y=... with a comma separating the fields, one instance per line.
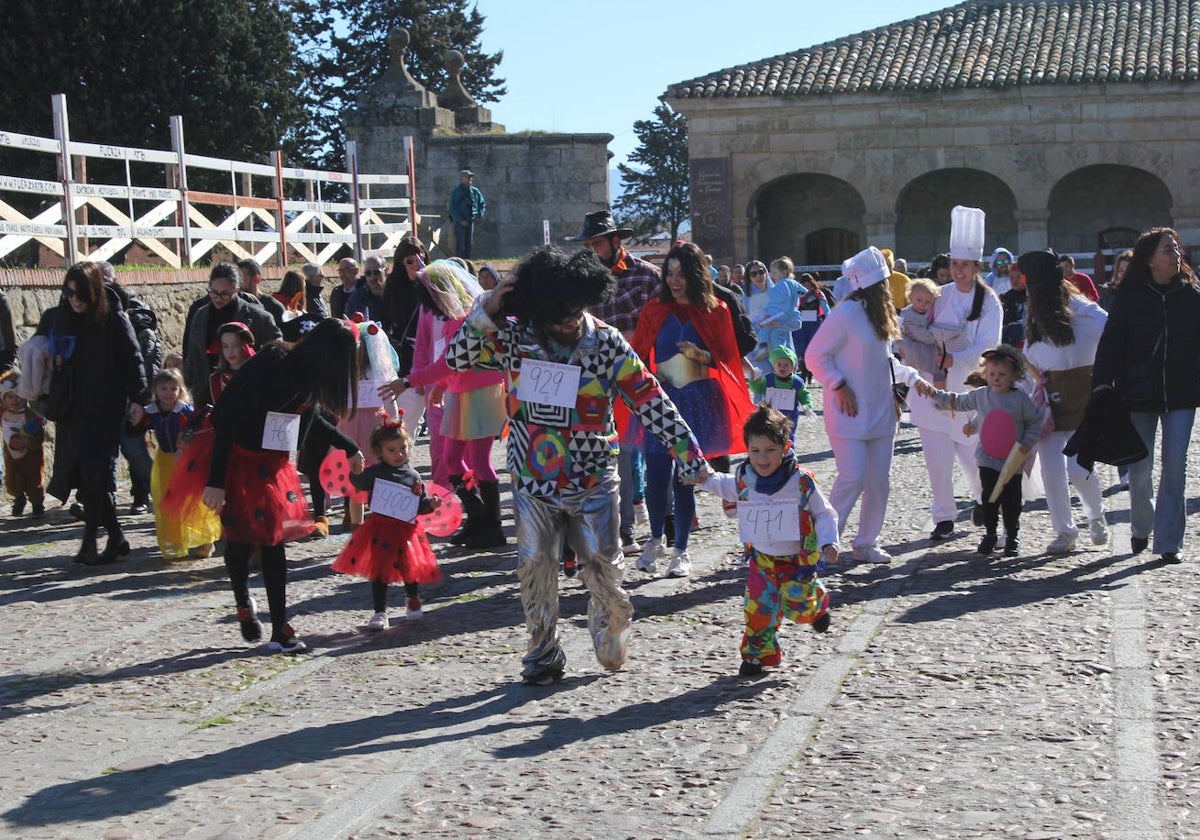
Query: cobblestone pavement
x=1034, y=697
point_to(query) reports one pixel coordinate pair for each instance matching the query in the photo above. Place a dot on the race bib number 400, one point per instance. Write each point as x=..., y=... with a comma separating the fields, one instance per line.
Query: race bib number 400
x=548, y=383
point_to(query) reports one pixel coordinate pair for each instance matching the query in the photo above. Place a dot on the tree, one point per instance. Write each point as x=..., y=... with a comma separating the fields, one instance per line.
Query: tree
x=225, y=66
x=656, y=194
x=340, y=62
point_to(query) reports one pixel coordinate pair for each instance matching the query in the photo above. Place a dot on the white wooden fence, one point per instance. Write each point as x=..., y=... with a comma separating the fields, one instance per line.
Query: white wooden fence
x=155, y=208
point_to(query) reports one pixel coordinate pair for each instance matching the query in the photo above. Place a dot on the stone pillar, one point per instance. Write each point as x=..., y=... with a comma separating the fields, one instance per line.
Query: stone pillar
x=1187, y=223
x=881, y=231
x=1033, y=230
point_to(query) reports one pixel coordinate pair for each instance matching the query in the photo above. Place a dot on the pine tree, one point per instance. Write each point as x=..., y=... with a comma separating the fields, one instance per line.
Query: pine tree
x=656, y=194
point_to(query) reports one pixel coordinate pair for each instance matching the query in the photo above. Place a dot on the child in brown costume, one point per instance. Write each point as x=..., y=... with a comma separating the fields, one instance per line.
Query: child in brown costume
x=24, y=459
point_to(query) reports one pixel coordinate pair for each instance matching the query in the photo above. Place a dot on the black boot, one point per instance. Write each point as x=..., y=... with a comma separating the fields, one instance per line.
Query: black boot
x=489, y=533
x=117, y=546
x=472, y=510
x=87, y=554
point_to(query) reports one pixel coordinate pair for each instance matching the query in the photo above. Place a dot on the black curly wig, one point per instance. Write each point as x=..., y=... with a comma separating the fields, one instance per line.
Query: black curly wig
x=552, y=285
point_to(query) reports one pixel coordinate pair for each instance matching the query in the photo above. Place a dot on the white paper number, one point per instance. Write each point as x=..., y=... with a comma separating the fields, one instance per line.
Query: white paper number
x=548, y=383
x=390, y=498
x=281, y=432
x=769, y=521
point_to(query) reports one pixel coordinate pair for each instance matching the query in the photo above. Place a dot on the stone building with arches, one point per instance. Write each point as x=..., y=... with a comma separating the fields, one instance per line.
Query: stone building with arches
x=1072, y=123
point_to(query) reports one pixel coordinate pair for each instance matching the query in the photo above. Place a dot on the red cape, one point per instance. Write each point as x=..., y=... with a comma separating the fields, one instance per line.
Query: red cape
x=716, y=331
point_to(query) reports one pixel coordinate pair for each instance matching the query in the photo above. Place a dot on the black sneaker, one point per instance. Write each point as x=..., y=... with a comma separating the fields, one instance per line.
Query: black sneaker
x=544, y=677
x=944, y=530
x=76, y=510
x=751, y=669
x=139, y=507
x=1011, y=547
x=1138, y=544
x=1171, y=557
x=18, y=506
x=38, y=511
x=977, y=515
x=248, y=618
x=285, y=640
x=821, y=624
x=988, y=544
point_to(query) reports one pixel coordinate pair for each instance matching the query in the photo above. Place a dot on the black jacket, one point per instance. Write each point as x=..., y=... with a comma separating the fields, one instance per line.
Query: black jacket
x=1106, y=434
x=1150, y=349
x=743, y=330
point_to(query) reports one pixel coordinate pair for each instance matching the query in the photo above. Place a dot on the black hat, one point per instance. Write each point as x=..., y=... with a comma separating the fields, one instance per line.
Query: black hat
x=1041, y=270
x=600, y=223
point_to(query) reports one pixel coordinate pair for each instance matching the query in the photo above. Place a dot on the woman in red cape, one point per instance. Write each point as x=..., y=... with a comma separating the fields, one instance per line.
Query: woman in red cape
x=685, y=336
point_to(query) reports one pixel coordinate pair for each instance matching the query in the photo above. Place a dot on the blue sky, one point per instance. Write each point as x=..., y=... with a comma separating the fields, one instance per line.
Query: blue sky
x=599, y=66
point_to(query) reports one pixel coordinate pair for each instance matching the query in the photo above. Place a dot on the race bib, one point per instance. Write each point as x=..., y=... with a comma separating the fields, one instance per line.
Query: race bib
x=398, y=501
x=808, y=315
x=769, y=521
x=782, y=398
x=368, y=394
x=548, y=383
x=281, y=432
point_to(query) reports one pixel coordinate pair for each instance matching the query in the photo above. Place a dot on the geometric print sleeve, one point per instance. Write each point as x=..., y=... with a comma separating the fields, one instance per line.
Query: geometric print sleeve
x=479, y=343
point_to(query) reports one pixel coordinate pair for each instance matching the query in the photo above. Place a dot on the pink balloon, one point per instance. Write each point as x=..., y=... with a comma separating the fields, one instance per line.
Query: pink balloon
x=335, y=477
x=998, y=434
x=445, y=520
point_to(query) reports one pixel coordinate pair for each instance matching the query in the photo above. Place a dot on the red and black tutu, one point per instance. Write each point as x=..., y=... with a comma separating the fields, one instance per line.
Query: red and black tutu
x=264, y=502
x=389, y=550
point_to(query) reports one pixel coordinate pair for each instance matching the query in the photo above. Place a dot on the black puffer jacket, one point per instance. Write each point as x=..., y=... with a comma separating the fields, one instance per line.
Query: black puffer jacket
x=1150, y=349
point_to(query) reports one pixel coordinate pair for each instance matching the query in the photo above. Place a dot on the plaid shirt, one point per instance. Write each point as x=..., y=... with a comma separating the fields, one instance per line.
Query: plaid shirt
x=636, y=284
x=552, y=449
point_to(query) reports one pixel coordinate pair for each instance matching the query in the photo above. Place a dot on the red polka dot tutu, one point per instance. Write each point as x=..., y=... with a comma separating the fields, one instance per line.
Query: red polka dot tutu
x=389, y=550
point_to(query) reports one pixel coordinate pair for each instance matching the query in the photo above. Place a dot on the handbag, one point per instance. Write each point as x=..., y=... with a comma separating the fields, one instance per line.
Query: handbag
x=58, y=401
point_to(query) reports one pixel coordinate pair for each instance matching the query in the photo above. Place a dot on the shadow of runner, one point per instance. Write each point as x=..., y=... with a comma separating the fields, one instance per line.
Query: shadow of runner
x=122, y=793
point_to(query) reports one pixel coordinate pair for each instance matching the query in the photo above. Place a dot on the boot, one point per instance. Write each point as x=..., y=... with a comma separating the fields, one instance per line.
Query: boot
x=489, y=533
x=472, y=510
x=117, y=546
x=87, y=551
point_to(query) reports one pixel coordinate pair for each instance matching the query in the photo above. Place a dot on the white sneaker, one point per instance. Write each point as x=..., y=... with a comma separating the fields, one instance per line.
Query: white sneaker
x=651, y=551
x=680, y=565
x=872, y=554
x=1098, y=531
x=379, y=621
x=639, y=513
x=1063, y=544
x=630, y=545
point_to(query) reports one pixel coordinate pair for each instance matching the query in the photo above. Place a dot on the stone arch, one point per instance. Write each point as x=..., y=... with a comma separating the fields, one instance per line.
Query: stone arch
x=1089, y=202
x=794, y=211
x=924, y=204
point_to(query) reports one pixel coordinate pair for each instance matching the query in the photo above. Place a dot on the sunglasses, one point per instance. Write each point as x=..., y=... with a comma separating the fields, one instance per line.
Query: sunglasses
x=412, y=261
x=69, y=292
x=757, y=272
x=220, y=295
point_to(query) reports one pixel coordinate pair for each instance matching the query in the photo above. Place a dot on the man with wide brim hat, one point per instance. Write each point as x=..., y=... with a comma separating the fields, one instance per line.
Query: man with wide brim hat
x=637, y=282
x=600, y=224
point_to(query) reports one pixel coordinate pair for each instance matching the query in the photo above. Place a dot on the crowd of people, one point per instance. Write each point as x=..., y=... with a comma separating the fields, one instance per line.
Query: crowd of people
x=618, y=388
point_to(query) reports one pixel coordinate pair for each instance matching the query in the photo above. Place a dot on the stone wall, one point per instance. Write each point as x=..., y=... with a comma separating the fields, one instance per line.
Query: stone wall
x=1031, y=139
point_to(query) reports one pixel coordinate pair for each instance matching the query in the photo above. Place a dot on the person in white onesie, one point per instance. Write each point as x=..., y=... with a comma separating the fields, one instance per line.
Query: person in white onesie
x=966, y=302
x=850, y=356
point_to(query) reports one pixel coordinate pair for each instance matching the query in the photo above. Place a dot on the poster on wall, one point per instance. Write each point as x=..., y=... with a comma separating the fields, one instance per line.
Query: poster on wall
x=712, y=216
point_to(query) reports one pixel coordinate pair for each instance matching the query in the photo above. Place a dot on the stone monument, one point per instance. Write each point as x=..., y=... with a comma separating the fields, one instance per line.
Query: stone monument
x=526, y=177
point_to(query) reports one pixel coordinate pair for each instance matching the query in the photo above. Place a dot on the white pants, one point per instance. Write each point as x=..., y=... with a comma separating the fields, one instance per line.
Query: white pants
x=1055, y=469
x=940, y=450
x=413, y=405
x=863, y=469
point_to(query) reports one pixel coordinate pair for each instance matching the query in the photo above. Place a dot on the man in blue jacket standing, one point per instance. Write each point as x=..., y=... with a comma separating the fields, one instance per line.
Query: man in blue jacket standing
x=466, y=205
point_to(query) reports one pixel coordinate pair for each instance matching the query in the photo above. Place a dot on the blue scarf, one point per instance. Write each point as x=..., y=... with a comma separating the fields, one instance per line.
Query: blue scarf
x=771, y=484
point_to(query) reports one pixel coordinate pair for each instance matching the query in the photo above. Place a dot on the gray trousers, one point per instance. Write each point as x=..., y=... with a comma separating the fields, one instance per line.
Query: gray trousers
x=588, y=519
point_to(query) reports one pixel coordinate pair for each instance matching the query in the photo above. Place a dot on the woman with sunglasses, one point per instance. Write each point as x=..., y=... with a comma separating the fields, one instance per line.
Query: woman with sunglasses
x=93, y=347
x=402, y=309
x=758, y=283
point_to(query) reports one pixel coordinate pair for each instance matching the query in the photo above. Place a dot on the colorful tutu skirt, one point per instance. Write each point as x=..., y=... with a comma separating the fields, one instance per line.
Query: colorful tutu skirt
x=178, y=532
x=389, y=550
x=264, y=502
x=475, y=414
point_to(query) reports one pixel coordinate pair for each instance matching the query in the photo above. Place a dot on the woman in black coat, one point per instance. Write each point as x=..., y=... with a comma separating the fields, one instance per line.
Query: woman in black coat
x=93, y=345
x=1148, y=355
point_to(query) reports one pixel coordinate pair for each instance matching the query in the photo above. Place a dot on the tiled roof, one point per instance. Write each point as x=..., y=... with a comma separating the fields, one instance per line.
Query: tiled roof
x=983, y=45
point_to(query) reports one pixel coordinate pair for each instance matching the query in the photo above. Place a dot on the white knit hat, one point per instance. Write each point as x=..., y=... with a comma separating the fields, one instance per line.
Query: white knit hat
x=966, y=233
x=866, y=268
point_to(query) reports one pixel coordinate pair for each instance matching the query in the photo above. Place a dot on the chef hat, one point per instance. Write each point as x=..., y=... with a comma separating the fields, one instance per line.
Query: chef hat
x=966, y=233
x=866, y=268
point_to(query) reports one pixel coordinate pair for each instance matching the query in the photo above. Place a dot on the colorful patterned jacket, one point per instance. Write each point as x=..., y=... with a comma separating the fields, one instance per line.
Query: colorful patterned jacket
x=552, y=449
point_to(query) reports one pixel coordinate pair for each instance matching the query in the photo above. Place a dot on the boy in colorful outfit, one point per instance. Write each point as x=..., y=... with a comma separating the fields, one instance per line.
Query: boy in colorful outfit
x=783, y=577
x=564, y=368
x=773, y=388
x=24, y=457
